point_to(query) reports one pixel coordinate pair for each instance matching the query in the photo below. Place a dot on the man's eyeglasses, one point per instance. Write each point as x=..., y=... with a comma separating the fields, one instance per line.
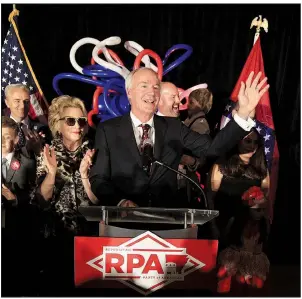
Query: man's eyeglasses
x=71, y=121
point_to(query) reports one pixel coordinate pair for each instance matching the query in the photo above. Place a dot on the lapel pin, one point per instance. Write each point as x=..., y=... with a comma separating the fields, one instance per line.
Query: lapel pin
x=15, y=165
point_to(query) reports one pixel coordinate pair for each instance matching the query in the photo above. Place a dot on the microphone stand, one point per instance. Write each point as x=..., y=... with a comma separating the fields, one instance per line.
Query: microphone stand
x=180, y=173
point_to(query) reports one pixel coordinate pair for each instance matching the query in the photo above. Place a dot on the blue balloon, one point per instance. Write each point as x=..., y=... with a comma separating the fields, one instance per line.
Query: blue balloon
x=99, y=71
x=179, y=60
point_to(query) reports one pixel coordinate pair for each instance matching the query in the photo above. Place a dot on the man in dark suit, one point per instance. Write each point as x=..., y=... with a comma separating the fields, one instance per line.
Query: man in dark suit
x=18, y=227
x=118, y=176
x=32, y=134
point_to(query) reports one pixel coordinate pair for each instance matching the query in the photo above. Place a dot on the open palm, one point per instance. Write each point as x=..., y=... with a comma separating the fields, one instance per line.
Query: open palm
x=50, y=159
x=250, y=92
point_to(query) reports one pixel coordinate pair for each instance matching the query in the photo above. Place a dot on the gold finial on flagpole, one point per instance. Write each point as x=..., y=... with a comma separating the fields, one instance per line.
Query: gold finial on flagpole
x=259, y=24
x=15, y=12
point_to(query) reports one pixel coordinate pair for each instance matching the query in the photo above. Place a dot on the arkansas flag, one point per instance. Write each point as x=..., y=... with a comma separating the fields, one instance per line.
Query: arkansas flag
x=264, y=118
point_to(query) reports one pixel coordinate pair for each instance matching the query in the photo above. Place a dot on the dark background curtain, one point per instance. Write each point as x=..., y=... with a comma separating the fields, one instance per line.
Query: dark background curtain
x=221, y=41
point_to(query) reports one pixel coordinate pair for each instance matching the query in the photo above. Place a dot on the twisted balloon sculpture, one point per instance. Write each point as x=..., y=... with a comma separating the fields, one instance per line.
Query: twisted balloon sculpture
x=110, y=97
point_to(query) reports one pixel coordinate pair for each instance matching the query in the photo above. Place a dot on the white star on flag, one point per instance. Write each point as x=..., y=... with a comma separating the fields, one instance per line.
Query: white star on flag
x=266, y=137
x=228, y=107
x=266, y=150
x=16, y=69
x=258, y=129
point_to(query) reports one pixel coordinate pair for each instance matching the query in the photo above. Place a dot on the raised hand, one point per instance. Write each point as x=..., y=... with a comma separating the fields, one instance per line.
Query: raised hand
x=34, y=141
x=86, y=163
x=250, y=94
x=50, y=159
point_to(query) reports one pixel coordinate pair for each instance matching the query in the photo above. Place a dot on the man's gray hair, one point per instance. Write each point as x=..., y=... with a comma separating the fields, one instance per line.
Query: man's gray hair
x=128, y=80
x=11, y=86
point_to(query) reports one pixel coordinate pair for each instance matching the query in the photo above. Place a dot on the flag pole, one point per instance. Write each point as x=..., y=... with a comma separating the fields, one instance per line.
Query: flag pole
x=259, y=24
x=15, y=12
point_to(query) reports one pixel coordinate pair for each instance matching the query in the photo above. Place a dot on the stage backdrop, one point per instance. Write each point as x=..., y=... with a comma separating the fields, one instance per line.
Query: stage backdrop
x=221, y=41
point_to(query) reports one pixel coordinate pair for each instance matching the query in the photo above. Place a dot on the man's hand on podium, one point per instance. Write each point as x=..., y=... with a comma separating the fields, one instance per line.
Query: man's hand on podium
x=127, y=204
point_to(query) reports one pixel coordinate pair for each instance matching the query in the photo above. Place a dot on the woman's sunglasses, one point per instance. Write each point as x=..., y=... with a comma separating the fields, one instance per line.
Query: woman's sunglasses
x=71, y=121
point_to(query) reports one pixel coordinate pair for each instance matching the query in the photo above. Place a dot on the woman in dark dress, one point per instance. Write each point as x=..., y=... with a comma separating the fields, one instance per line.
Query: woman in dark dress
x=240, y=184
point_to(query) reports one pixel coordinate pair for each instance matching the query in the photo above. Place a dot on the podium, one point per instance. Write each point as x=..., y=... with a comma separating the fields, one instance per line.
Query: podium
x=157, y=249
x=188, y=218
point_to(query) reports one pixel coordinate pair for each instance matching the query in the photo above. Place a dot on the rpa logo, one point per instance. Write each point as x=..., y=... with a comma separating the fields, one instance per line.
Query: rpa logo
x=145, y=263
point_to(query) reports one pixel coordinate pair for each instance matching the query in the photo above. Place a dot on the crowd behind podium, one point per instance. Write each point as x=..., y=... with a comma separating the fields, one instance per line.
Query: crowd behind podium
x=51, y=169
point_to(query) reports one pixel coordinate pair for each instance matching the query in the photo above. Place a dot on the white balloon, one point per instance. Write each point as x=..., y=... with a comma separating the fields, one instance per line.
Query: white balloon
x=135, y=49
x=76, y=46
x=110, y=63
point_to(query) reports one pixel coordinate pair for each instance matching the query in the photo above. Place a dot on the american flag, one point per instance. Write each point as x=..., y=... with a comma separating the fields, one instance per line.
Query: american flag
x=16, y=69
x=264, y=118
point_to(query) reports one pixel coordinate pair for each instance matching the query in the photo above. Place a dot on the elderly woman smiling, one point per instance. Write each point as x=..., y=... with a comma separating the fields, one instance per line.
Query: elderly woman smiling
x=62, y=170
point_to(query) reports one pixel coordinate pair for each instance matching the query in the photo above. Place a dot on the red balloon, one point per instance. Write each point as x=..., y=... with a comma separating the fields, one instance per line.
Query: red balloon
x=151, y=53
x=95, y=105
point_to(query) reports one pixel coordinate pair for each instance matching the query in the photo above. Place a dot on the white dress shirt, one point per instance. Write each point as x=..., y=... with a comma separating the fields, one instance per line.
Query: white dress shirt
x=138, y=131
x=8, y=158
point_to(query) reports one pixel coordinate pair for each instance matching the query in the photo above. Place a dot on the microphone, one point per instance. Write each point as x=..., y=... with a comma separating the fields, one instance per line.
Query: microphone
x=180, y=173
x=148, y=159
x=147, y=155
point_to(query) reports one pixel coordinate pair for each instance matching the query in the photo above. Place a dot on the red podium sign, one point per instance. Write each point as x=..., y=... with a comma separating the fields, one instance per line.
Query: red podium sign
x=145, y=263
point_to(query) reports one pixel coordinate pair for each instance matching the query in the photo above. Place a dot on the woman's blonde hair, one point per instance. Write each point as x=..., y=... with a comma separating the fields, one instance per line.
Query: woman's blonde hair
x=56, y=109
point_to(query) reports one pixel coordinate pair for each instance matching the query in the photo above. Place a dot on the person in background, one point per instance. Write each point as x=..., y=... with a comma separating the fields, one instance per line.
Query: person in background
x=169, y=101
x=18, y=233
x=240, y=185
x=200, y=103
x=63, y=186
x=32, y=134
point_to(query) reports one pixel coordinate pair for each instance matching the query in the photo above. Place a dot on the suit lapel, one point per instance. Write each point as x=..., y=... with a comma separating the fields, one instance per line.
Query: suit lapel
x=160, y=126
x=127, y=138
x=10, y=172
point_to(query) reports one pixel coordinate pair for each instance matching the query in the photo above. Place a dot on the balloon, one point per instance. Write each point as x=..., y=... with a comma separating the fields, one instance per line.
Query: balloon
x=81, y=78
x=179, y=60
x=181, y=105
x=123, y=104
x=99, y=71
x=153, y=55
x=76, y=46
x=106, y=90
x=187, y=92
x=135, y=49
x=111, y=64
x=95, y=106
